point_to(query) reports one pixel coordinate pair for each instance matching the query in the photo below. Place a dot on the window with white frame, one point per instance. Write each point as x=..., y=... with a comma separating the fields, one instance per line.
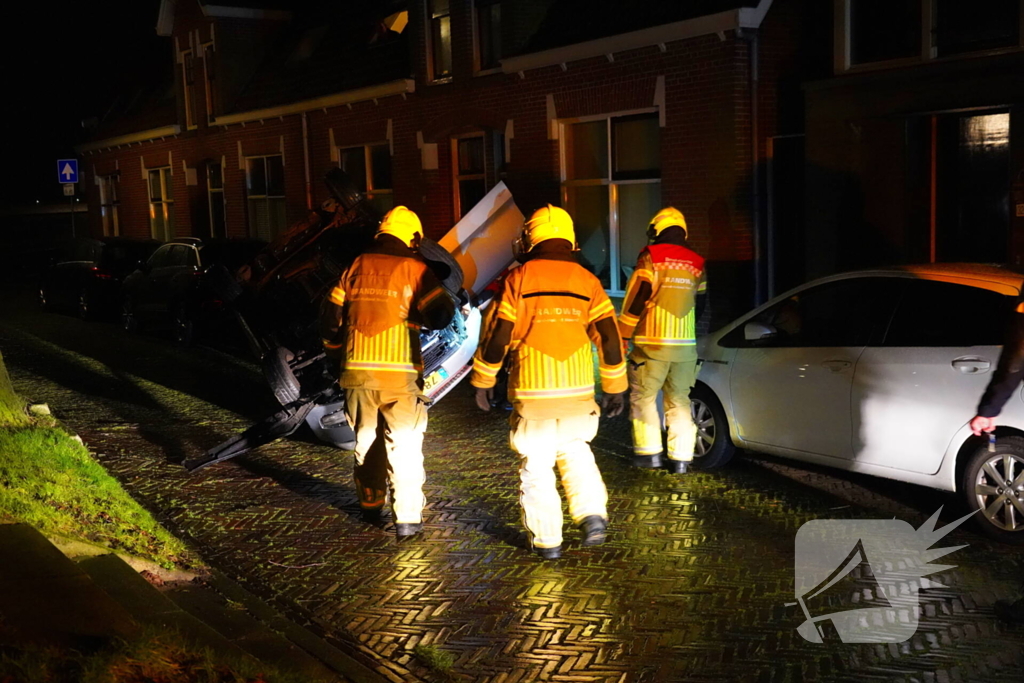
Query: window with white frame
x=161, y=204
x=208, y=73
x=469, y=180
x=870, y=33
x=369, y=166
x=188, y=80
x=265, y=195
x=439, y=39
x=487, y=34
x=611, y=186
x=110, y=191
x=215, y=196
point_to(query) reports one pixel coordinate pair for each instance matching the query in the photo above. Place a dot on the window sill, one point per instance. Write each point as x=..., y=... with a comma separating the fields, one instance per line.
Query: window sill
x=488, y=72
x=440, y=81
x=918, y=60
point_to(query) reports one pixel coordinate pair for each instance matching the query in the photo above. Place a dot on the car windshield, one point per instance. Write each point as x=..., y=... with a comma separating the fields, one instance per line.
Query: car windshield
x=121, y=255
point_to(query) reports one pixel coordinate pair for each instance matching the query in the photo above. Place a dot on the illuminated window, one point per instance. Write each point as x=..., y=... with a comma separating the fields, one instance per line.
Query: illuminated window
x=265, y=195
x=439, y=39
x=161, y=204
x=369, y=166
x=611, y=186
x=110, y=190
x=215, y=194
x=487, y=18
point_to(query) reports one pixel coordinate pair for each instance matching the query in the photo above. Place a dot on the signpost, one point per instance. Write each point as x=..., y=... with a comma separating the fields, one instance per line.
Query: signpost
x=67, y=174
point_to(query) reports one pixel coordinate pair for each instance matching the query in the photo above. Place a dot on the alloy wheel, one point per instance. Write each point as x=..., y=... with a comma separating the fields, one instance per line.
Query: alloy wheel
x=999, y=488
x=705, y=421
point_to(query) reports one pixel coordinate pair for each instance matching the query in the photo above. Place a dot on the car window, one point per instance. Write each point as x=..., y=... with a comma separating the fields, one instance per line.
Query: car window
x=850, y=312
x=191, y=257
x=161, y=257
x=947, y=314
x=125, y=254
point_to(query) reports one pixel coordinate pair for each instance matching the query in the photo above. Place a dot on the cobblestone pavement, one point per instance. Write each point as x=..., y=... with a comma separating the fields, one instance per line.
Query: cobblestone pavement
x=693, y=584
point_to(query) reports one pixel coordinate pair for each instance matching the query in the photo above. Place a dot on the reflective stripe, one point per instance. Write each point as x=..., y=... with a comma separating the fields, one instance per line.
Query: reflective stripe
x=614, y=372
x=389, y=348
x=664, y=341
x=381, y=367
x=338, y=296
x=601, y=310
x=564, y=392
x=507, y=311
x=484, y=368
x=434, y=294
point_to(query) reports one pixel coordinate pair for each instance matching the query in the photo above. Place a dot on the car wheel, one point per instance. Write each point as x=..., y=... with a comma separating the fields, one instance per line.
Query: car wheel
x=993, y=485
x=129, y=321
x=44, y=299
x=282, y=380
x=182, y=327
x=444, y=265
x=84, y=310
x=713, y=448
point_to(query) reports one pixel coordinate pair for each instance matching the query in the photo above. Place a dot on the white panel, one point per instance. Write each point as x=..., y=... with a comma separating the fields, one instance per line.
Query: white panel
x=510, y=132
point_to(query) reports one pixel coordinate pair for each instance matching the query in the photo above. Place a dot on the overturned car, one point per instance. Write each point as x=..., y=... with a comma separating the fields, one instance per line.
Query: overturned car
x=276, y=301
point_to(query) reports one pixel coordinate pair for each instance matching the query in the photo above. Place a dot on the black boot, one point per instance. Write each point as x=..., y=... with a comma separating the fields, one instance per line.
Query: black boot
x=549, y=553
x=595, y=530
x=1010, y=612
x=404, y=529
x=678, y=466
x=651, y=462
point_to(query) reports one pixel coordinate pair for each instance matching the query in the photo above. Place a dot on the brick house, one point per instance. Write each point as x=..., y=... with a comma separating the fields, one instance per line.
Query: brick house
x=609, y=109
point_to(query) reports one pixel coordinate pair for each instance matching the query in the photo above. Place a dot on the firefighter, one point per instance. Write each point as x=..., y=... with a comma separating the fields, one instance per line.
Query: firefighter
x=659, y=315
x=549, y=312
x=372, y=320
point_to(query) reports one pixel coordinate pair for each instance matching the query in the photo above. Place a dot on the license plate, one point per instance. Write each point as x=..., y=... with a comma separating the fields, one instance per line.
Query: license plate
x=435, y=379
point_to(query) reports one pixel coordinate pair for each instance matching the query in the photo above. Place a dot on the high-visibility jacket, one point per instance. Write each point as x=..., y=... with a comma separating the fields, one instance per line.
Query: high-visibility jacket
x=374, y=316
x=664, y=324
x=554, y=306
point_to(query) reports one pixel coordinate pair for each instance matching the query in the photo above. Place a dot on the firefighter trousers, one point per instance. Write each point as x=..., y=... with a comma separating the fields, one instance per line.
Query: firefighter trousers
x=674, y=379
x=389, y=426
x=564, y=443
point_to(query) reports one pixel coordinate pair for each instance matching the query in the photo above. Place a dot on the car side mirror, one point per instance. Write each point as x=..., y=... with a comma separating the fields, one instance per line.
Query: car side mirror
x=753, y=331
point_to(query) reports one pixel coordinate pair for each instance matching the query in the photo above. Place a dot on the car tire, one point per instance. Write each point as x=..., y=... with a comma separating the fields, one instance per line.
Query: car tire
x=129, y=320
x=1001, y=506
x=714, y=447
x=183, y=328
x=44, y=300
x=84, y=305
x=434, y=253
x=282, y=380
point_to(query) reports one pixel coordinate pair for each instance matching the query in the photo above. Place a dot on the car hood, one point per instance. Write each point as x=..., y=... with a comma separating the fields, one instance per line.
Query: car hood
x=481, y=242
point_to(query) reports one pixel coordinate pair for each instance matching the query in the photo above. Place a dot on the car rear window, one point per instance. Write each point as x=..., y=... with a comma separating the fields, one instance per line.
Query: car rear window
x=126, y=254
x=232, y=255
x=934, y=313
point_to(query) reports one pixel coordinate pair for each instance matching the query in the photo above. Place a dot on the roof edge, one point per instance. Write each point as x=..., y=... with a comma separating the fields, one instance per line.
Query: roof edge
x=165, y=18
x=744, y=17
x=141, y=136
x=229, y=12
x=400, y=86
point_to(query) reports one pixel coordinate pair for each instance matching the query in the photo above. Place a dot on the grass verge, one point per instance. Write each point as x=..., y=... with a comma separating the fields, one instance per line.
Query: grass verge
x=156, y=656
x=50, y=480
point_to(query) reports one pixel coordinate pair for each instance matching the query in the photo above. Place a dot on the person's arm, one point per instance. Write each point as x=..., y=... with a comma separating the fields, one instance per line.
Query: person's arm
x=702, y=296
x=332, y=315
x=611, y=365
x=435, y=307
x=495, y=339
x=1007, y=377
x=638, y=292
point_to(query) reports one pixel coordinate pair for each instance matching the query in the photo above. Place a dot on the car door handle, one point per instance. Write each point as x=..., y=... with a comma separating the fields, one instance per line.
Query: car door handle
x=837, y=365
x=971, y=366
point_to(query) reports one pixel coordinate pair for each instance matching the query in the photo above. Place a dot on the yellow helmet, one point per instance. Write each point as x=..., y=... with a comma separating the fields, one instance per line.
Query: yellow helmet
x=404, y=224
x=548, y=223
x=667, y=218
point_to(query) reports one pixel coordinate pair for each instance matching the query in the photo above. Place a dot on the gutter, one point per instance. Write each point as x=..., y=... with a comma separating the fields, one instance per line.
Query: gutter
x=141, y=136
x=372, y=92
x=742, y=18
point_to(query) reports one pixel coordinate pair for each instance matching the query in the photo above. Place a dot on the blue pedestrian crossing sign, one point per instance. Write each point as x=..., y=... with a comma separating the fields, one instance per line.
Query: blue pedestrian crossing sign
x=67, y=170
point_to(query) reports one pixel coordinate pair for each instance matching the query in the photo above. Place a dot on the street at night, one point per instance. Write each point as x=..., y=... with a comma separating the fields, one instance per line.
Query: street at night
x=692, y=584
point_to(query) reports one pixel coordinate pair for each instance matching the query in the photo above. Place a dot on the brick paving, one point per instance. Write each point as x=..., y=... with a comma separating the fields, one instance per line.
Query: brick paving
x=692, y=585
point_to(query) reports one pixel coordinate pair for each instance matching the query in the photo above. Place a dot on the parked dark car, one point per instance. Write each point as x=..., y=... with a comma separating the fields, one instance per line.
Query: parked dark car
x=169, y=291
x=88, y=273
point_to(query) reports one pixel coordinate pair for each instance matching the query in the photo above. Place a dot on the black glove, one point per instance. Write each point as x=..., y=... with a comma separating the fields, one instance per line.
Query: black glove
x=612, y=405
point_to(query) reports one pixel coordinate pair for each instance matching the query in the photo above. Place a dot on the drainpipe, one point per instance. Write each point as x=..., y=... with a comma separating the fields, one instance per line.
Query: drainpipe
x=305, y=158
x=751, y=35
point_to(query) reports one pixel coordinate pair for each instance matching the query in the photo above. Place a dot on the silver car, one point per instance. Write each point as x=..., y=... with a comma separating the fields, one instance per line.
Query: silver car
x=877, y=372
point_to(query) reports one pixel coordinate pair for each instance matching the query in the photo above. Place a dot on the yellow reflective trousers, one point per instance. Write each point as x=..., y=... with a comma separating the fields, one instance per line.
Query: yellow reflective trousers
x=542, y=445
x=675, y=379
x=389, y=426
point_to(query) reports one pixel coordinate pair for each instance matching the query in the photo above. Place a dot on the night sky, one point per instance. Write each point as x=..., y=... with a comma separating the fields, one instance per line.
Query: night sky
x=64, y=61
